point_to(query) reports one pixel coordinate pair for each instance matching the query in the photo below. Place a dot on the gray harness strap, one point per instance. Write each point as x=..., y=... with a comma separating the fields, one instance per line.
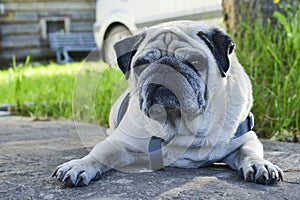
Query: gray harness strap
x=155, y=153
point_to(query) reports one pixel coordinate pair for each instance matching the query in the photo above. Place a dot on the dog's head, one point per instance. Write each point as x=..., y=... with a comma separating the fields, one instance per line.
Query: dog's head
x=169, y=66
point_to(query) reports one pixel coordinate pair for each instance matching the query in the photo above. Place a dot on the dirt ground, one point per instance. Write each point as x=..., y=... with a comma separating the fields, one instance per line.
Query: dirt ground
x=30, y=151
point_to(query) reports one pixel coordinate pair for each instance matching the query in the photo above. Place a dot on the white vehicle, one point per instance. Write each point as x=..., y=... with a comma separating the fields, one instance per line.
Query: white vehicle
x=126, y=16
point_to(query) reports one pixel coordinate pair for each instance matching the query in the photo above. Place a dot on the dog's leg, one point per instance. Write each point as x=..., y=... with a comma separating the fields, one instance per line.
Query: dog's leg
x=80, y=172
x=108, y=154
x=114, y=152
x=249, y=162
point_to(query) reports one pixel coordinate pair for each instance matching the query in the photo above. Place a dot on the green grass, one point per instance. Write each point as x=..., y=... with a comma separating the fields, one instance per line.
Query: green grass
x=53, y=88
x=271, y=57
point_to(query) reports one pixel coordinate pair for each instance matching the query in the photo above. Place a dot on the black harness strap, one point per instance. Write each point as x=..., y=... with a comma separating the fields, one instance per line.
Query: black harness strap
x=123, y=108
x=245, y=126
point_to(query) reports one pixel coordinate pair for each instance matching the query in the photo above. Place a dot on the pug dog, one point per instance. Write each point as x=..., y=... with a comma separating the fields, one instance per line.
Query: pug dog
x=187, y=105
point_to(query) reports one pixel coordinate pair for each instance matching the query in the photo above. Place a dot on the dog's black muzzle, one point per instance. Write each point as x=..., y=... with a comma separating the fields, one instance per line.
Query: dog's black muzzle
x=174, y=85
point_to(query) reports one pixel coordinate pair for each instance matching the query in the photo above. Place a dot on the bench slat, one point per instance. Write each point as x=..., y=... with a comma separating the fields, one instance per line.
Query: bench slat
x=72, y=40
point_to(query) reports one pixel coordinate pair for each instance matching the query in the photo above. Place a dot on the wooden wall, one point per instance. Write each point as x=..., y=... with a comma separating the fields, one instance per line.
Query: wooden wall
x=21, y=27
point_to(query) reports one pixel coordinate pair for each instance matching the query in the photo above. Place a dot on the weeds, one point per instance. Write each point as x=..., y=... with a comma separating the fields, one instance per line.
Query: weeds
x=47, y=91
x=271, y=58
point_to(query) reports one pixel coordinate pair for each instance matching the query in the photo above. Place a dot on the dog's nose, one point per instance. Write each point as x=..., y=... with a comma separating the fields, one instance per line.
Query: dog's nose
x=158, y=95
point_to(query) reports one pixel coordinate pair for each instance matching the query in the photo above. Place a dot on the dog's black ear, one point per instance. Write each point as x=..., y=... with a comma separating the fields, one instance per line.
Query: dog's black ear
x=125, y=50
x=221, y=46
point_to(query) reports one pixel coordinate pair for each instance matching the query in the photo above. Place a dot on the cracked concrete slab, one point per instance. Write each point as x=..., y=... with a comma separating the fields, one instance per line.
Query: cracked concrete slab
x=30, y=151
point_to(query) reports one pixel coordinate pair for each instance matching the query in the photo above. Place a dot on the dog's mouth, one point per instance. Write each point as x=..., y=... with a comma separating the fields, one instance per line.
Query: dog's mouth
x=174, y=85
x=161, y=95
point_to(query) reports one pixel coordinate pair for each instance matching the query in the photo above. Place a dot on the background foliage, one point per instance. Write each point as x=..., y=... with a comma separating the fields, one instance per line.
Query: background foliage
x=47, y=90
x=271, y=57
x=269, y=54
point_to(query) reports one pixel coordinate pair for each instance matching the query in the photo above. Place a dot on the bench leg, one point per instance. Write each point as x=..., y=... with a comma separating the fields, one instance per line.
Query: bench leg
x=58, y=57
x=62, y=57
x=67, y=57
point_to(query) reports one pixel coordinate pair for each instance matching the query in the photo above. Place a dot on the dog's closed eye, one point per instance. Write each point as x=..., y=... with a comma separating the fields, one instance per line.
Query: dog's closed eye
x=140, y=65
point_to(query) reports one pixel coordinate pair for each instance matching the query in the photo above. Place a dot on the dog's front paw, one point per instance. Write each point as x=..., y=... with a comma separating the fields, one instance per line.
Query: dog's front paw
x=78, y=172
x=260, y=171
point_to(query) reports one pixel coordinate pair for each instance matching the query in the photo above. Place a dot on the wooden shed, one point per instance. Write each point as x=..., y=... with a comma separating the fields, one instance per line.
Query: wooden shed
x=25, y=24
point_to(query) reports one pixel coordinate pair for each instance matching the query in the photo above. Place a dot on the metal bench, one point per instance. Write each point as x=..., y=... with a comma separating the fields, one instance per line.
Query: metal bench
x=63, y=43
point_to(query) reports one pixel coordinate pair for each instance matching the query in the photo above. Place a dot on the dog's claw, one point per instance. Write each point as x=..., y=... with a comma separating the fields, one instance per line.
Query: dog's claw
x=263, y=179
x=81, y=180
x=54, y=172
x=78, y=172
x=66, y=177
x=280, y=173
x=250, y=176
x=60, y=175
x=97, y=176
x=261, y=171
x=68, y=182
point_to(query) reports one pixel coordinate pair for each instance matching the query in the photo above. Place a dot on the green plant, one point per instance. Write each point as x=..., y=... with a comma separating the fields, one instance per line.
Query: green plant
x=18, y=73
x=271, y=58
x=47, y=90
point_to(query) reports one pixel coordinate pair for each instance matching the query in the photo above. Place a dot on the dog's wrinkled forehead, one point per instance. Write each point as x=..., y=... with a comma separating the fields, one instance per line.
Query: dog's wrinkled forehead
x=168, y=40
x=184, y=30
x=169, y=37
